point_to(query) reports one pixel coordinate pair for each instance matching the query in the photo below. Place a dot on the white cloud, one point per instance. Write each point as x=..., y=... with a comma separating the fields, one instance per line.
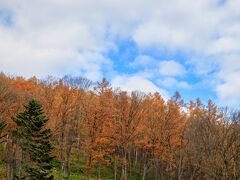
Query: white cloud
x=135, y=82
x=179, y=25
x=229, y=91
x=144, y=61
x=59, y=37
x=171, y=68
x=47, y=38
x=205, y=29
x=172, y=82
x=224, y=46
x=154, y=67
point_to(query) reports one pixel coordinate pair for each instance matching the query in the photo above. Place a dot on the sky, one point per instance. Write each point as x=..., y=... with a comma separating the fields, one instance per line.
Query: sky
x=189, y=46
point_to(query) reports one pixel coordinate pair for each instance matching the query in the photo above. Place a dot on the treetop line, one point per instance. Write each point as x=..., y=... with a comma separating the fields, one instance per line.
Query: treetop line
x=68, y=130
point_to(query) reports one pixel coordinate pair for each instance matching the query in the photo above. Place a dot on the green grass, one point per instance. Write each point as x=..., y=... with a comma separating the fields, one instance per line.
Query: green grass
x=2, y=171
x=106, y=173
x=78, y=170
x=73, y=176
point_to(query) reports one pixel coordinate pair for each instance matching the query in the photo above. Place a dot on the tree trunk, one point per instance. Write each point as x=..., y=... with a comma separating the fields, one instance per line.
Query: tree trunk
x=78, y=147
x=10, y=161
x=144, y=171
x=129, y=164
x=122, y=172
x=89, y=166
x=115, y=168
x=61, y=170
x=68, y=162
x=98, y=171
x=136, y=156
x=125, y=166
x=156, y=169
x=61, y=145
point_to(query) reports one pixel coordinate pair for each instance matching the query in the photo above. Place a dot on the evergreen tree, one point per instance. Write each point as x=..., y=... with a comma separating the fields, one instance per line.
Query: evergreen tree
x=34, y=141
x=3, y=125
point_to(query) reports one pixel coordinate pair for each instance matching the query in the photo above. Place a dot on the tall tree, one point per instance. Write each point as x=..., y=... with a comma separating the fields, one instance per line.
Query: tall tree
x=34, y=141
x=3, y=125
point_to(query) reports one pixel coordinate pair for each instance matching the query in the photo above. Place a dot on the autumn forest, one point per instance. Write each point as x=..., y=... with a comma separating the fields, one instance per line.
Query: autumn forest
x=95, y=131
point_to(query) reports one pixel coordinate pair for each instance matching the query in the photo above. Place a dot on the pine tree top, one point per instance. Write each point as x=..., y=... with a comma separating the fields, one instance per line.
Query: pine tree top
x=32, y=117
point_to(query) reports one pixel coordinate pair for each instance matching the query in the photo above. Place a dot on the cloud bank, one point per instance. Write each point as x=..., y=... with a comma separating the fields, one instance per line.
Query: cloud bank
x=74, y=37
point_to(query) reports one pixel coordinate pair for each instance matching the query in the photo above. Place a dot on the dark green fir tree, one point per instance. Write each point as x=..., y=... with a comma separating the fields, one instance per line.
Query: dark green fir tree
x=34, y=140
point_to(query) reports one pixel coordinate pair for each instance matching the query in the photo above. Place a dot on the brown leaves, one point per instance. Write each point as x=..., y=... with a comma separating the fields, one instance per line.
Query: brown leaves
x=104, y=124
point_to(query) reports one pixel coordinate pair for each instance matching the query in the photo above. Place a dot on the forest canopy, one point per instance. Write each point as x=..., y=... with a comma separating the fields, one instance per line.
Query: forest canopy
x=98, y=131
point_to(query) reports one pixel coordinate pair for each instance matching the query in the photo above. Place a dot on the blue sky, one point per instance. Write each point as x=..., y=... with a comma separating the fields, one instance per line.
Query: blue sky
x=147, y=45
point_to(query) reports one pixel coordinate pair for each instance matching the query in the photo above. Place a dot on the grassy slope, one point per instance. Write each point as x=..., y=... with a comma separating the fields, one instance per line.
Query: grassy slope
x=78, y=169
